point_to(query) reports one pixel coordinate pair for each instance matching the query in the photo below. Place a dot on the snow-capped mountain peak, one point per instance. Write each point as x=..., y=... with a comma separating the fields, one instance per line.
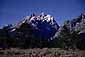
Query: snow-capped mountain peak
x=44, y=24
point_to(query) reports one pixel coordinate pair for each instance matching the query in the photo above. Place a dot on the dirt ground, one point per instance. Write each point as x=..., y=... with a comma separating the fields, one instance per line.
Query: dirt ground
x=44, y=52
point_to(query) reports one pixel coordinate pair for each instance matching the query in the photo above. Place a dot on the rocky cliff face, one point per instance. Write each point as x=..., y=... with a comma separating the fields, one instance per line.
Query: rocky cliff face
x=78, y=24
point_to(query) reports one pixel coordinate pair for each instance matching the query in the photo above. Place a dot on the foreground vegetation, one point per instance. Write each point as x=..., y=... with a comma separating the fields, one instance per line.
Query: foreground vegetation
x=44, y=52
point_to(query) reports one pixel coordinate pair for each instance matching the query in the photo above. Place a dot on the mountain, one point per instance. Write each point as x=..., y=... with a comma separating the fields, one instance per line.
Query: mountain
x=30, y=32
x=43, y=31
x=43, y=25
x=76, y=24
x=72, y=33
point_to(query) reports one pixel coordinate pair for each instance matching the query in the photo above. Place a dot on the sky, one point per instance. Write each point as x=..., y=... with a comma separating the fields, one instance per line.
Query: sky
x=12, y=11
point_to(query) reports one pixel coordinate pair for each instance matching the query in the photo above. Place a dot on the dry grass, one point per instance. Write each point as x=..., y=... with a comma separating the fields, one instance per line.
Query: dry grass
x=44, y=52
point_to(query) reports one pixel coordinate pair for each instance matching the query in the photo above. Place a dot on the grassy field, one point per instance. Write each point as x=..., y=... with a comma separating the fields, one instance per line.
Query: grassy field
x=44, y=52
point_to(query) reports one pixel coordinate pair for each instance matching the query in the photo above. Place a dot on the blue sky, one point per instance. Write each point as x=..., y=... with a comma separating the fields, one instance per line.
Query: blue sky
x=12, y=11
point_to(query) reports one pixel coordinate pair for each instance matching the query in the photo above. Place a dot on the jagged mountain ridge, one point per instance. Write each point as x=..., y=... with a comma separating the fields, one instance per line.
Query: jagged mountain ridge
x=43, y=31
x=43, y=25
x=76, y=24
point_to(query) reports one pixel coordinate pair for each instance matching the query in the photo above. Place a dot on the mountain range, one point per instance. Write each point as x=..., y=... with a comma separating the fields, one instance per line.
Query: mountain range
x=42, y=28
